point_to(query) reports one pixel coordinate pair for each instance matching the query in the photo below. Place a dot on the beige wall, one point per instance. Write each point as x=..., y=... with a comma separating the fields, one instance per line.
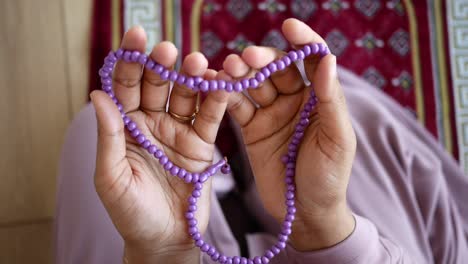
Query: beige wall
x=43, y=76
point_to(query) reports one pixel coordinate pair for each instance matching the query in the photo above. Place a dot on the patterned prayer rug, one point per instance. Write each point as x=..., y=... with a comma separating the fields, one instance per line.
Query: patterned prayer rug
x=415, y=51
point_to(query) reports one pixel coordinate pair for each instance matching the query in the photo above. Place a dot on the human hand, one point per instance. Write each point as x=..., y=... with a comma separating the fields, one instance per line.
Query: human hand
x=145, y=203
x=326, y=153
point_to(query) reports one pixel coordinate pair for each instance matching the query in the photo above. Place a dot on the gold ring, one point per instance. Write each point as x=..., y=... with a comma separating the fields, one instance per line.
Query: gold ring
x=189, y=118
x=184, y=118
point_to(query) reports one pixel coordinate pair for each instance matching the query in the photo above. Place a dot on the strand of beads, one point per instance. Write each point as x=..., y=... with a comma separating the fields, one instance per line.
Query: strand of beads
x=198, y=178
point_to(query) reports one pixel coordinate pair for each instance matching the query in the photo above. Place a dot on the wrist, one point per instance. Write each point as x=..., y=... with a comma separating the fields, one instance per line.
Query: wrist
x=178, y=255
x=322, y=231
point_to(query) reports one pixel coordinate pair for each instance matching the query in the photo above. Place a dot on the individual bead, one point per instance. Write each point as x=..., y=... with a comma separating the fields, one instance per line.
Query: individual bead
x=265, y=260
x=306, y=49
x=236, y=260
x=211, y=251
x=175, y=170
x=198, y=186
x=189, y=215
x=140, y=138
x=291, y=210
x=158, y=154
x=290, y=202
x=188, y=177
x=245, y=84
x=292, y=55
x=191, y=223
x=304, y=121
x=289, y=180
x=212, y=170
x=152, y=149
x=290, y=172
x=203, y=177
x=314, y=48
x=182, y=173
x=199, y=243
x=286, y=231
x=272, y=67
x=260, y=77
x=181, y=79
x=253, y=83
x=135, y=56
x=282, y=238
x=205, y=248
x=196, y=236
x=198, y=80
x=150, y=64
x=173, y=76
x=119, y=53
x=163, y=160
x=204, y=86
x=131, y=126
x=238, y=86
x=103, y=74
x=280, y=65
x=135, y=133
x=143, y=59
x=229, y=87
x=266, y=72
x=114, y=99
x=165, y=75
x=300, y=55
x=127, y=56
x=189, y=82
x=158, y=69
x=107, y=88
x=269, y=254
x=213, y=85
x=298, y=135
x=192, y=208
x=222, y=259
x=287, y=61
x=193, y=229
x=106, y=81
x=221, y=84
x=195, y=177
x=291, y=188
x=119, y=107
x=215, y=256
x=290, y=217
x=280, y=245
x=196, y=193
x=275, y=250
x=244, y=260
x=257, y=260
x=289, y=195
x=126, y=120
x=287, y=224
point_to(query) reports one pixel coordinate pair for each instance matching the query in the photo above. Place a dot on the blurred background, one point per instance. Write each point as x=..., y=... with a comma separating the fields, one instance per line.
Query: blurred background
x=50, y=51
x=44, y=47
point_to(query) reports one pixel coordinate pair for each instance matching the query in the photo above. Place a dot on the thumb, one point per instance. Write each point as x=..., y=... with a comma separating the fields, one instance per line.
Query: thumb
x=111, y=138
x=332, y=109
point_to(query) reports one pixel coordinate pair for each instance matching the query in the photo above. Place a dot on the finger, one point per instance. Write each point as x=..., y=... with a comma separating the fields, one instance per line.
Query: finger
x=298, y=33
x=183, y=101
x=127, y=75
x=111, y=138
x=155, y=91
x=239, y=106
x=334, y=117
x=286, y=81
x=265, y=94
x=211, y=112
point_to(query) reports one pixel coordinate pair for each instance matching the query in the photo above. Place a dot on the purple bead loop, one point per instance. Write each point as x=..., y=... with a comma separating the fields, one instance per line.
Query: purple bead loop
x=199, y=178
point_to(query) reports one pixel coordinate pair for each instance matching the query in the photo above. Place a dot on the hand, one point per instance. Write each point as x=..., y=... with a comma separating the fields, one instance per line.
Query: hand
x=326, y=153
x=146, y=204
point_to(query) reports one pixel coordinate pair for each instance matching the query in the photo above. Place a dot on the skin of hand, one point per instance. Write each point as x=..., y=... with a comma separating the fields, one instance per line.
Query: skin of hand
x=325, y=155
x=146, y=204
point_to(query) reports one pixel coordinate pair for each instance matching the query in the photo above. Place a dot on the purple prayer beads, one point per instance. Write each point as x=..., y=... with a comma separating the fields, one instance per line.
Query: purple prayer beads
x=198, y=178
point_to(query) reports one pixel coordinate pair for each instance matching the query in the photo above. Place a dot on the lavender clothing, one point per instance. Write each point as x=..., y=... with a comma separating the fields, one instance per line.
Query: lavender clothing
x=408, y=195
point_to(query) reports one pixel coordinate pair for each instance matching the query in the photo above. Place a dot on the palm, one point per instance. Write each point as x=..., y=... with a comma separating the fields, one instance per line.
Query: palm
x=266, y=146
x=146, y=188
